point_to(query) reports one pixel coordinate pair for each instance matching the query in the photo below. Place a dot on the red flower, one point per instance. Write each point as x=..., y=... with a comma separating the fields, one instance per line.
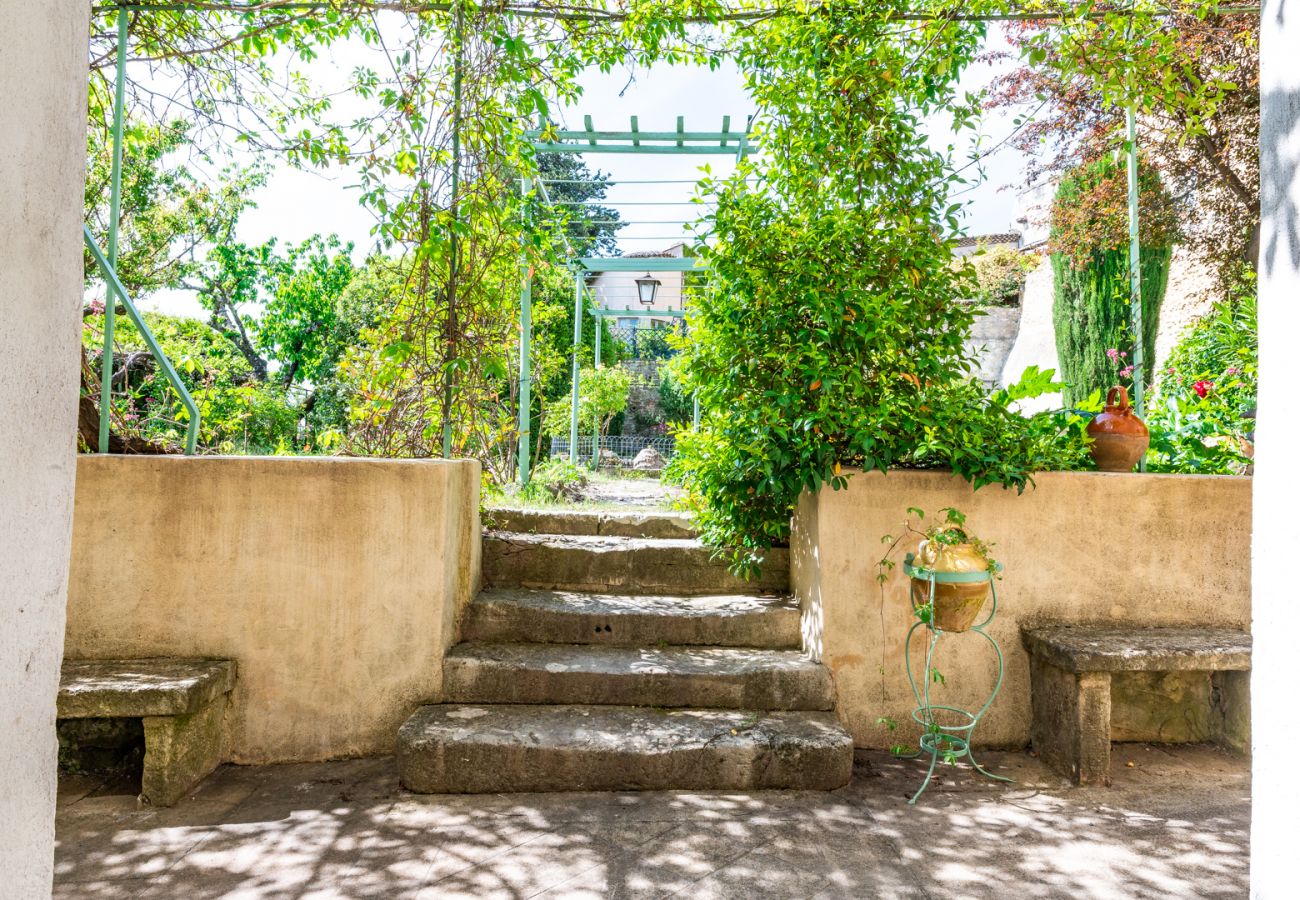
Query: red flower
x=1202, y=388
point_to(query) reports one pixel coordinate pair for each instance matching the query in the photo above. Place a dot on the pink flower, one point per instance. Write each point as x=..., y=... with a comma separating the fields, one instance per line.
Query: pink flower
x=1202, y=388
x=1126, y=372
x=1232, y=370
x=1113, y=354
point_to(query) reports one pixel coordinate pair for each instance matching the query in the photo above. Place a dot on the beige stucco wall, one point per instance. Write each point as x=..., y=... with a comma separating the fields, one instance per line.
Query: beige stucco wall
x=1081, y=547
x=334, y=583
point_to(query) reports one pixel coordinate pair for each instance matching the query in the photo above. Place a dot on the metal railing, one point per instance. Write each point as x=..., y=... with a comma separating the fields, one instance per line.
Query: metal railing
x=116, y=292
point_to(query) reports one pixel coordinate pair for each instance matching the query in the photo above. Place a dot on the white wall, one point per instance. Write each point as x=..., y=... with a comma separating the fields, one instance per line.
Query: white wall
x=42, y=154
x=1035, y=345
x=1276, y=793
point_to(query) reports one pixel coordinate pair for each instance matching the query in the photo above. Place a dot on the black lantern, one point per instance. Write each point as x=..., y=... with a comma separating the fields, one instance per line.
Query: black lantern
x=646, y=288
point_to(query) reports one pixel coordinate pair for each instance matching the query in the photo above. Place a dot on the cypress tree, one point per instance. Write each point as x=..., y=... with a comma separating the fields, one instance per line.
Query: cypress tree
x=1091, y=308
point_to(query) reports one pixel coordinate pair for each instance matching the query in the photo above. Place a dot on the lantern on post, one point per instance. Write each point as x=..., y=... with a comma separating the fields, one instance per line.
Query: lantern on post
x=646, y=288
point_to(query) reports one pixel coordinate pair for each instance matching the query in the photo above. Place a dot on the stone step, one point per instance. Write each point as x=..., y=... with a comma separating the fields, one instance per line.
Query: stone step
x=714, y=677
x=566, y=617
x=502, y=749
x=604, y=523
x=617, y=564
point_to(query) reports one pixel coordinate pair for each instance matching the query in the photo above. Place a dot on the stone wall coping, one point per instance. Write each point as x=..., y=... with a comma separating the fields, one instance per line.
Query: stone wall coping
x=219, y=459
x=1105, y=648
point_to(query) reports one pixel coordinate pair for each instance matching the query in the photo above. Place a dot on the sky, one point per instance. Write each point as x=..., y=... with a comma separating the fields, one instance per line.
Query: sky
x=296, y=204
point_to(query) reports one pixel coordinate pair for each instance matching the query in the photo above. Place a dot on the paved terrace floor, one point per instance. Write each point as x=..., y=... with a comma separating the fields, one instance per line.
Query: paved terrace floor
x=1175, y=825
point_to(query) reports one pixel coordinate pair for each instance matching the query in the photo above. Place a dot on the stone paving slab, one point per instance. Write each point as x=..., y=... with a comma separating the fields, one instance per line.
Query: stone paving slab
x=715, y=677
x=620, y=565
x=569, y=617
x=452, y=748
x=1174, y=824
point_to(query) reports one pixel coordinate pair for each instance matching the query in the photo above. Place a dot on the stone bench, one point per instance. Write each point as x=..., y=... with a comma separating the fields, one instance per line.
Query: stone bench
x=181, y=703
x=1070, y=673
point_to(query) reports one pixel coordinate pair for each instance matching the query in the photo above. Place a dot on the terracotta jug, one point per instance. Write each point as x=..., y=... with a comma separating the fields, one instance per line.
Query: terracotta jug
x=1119, y=437
x=956, y=606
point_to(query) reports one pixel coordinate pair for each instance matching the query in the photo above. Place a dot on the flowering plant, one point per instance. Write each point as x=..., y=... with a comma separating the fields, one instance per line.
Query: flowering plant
x=1120, y=358
x=1202, y=412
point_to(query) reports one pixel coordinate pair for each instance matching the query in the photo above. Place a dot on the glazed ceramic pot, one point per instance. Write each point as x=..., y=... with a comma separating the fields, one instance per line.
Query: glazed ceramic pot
x=1119, y=437
x=956, y=606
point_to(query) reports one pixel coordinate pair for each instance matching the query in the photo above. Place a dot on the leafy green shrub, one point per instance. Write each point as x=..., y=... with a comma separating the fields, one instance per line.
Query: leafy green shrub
x=828, y=335
x=1198, y=416
x=555, y=481
x=238, y=413
x=819, y=349
x=676, y=404
x=651, y=343
x=1000, y=274
x=1089, y=241
x=602, y=396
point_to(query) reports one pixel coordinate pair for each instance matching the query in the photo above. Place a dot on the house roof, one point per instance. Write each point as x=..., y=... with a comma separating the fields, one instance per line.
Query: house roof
x=673, y=252
x=1001, y=237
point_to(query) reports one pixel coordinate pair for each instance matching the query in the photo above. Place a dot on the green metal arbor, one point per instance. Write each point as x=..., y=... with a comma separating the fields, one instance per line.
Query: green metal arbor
x=736, y=144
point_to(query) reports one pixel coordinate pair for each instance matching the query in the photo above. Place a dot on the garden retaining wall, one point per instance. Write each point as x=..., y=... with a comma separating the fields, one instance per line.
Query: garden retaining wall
x=334, y=583
x=1081, y=547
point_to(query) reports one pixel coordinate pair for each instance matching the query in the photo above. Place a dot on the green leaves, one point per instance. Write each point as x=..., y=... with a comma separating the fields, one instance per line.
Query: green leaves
x=1203, y=405
x=397, y=352
x=829, y=337
x=602, y=395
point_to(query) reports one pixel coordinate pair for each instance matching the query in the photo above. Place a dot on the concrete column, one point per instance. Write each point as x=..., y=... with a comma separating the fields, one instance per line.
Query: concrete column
x=43, y=49
x=1275, y=724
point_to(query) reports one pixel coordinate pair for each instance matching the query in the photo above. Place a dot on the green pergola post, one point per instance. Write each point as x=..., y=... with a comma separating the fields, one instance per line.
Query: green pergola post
x=114, y=213
x=595, y=429
x=525, y=358
x=577, y=342
x=1135, y=262
x=453, y=266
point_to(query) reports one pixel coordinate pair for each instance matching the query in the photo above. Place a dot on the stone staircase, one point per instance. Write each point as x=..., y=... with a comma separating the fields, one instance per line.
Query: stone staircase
x=609, y=652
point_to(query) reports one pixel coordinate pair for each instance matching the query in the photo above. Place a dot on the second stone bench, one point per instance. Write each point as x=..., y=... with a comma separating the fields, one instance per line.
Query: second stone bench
x=1071, y=668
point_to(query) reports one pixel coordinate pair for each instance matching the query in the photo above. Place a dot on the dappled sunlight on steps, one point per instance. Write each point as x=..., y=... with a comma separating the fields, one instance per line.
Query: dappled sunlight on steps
x=619, y=654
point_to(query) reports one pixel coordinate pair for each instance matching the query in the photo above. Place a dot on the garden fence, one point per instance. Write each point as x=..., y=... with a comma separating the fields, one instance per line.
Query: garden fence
x=625, y=446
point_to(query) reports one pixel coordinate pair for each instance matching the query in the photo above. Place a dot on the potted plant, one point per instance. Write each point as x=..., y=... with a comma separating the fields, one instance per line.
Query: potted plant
x=951, y=570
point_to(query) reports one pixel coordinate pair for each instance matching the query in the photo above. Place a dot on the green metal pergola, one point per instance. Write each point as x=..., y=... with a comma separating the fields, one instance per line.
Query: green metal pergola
x=552, y=139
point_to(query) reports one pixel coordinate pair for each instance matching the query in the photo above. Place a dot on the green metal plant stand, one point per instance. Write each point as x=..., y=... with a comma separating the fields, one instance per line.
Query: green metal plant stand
x=948, y=731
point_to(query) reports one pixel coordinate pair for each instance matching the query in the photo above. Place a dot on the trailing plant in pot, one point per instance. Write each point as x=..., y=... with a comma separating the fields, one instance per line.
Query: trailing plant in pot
x=946, y=547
